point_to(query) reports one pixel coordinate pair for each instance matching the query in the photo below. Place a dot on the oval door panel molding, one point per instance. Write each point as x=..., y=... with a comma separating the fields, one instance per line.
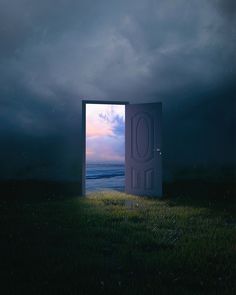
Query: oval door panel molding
x=142, y=141
x=142, y=137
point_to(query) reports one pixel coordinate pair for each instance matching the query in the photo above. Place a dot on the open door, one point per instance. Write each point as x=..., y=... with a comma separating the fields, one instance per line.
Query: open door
x=143, y=170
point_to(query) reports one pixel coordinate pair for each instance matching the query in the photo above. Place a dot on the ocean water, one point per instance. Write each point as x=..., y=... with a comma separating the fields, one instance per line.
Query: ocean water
x=105, y=177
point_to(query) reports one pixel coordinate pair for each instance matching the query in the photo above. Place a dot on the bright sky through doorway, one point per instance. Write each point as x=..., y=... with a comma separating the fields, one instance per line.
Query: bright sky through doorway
x=105, y=126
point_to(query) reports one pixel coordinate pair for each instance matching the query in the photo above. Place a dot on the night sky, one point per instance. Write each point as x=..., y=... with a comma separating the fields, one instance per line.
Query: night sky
x=55, y=53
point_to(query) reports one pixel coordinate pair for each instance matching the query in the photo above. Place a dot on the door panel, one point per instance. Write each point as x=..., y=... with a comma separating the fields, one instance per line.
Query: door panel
x=143, y=175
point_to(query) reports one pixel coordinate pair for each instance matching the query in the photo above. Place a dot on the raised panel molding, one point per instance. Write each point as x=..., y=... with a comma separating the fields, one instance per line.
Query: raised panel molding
x=142, y=137
x=135, y=179
x=149, y=179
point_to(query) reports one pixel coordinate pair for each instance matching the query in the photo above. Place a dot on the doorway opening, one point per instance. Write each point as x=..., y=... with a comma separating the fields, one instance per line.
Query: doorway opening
x=141, y=156
x=104, y=146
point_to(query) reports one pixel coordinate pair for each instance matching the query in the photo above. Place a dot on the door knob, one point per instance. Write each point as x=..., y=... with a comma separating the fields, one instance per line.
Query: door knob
x=157, y=150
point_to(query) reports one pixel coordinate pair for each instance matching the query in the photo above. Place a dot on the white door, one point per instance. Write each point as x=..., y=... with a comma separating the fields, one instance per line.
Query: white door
x=143, y=169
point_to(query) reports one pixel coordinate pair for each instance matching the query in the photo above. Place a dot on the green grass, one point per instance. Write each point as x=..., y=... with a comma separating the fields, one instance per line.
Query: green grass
x=113, y=243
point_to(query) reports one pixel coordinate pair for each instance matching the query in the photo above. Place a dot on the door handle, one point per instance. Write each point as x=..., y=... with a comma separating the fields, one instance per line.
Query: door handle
x=157, y=150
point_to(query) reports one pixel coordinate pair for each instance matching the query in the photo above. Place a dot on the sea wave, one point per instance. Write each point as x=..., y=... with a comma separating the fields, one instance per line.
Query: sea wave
x=105, y=176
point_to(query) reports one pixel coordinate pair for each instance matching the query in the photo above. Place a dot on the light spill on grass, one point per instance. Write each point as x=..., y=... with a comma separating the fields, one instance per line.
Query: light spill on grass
x=119, y=243
x=183, y=243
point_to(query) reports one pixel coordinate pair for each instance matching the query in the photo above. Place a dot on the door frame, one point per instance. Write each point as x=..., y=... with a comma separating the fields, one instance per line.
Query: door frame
x=84, y=102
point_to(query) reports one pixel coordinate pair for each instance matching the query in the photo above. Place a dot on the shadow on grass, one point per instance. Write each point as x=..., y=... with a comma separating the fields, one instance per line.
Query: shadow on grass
x=201, y=193
x=36, y=190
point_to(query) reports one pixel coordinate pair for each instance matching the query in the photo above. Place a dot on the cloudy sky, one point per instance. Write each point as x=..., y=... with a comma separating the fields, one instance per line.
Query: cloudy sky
x=55, y=53
x=105, y=133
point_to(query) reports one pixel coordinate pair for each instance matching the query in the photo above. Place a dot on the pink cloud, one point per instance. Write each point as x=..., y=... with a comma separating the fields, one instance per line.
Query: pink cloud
x=95, y=129
x=102, y=144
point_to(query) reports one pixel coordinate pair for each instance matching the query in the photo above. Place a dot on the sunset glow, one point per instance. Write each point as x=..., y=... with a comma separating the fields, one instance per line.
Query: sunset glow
x=105, y=133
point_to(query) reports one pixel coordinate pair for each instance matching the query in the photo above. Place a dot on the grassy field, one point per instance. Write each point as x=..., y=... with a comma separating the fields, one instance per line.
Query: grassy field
x=113, y=243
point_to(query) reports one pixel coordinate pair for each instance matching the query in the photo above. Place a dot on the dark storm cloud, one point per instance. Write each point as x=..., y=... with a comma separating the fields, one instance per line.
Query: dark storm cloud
x=227, y=8
x=53, y=53
x=142, y=48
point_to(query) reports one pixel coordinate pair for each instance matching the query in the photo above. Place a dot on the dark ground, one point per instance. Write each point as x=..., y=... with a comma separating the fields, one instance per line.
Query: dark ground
x=53, y=242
